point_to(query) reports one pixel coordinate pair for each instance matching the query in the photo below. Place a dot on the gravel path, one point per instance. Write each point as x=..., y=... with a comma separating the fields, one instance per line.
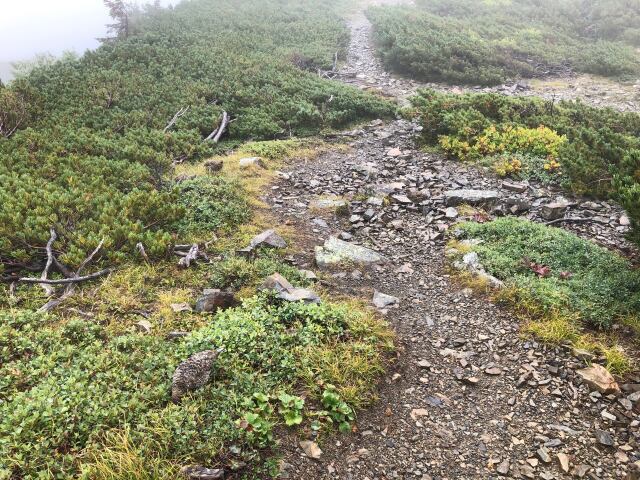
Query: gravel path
x=467, y=397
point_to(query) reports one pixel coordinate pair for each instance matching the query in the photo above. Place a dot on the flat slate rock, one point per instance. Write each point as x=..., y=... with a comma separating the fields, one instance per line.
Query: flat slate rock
x=454, y=198
x=335, y=252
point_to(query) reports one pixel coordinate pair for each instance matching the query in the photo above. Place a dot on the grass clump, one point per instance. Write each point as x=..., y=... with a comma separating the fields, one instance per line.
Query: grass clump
x=560, y=283
x=76, y=398
x=486, y=43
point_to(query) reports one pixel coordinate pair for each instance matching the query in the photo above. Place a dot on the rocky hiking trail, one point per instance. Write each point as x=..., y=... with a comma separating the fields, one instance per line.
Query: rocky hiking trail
x=467, y=396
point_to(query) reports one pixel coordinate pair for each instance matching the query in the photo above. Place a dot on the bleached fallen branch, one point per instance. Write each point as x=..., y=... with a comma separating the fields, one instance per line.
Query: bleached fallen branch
x=140, y=248
x=175, y=118
x=218, y=132
x=48, y=290
x=191, y=256
x=66, y=281
x=569, y=220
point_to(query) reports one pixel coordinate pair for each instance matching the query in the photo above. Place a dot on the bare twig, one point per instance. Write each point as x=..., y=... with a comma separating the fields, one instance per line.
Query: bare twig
x=218, y=132
x=140, y=248
x=568, y=220
x=66, y=281
x=45, y=273
x=63, y=269
x=89, y=259
x=175, y=118
x=192, y=256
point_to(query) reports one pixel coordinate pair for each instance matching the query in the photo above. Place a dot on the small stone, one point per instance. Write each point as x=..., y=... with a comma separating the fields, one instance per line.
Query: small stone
x=311, y=449
x=580, y=470
x=181, y=307
x=252, y=162
x=503, y=467
x=598, y=378
x=144, y=326
x=624, y=221
x=197, y=472
x=543, y=454
x=451, y=212
x=554, y=210
x=394, y=152
x=563, y=460
x=494, y=371
x=487, y=198
x=518, y=187
x=213, y=300
x=604, y=438
x=382, y=300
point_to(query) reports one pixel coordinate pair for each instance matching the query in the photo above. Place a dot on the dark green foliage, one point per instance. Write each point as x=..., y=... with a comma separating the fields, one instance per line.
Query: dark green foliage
x=93, y=157
x=488, y=42
x=211, y=204
x=601, y=156
x=62, y=388
x=602, y=287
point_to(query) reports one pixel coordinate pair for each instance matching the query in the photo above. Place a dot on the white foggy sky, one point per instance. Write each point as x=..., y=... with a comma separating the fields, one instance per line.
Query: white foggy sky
x=28, y=27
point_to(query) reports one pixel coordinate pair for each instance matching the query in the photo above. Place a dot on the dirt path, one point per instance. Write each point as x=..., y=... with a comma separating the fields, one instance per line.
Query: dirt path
x=468, y=397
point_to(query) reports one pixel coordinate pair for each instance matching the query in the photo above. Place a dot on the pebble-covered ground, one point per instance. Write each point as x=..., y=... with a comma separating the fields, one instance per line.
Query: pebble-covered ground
x=467, y=397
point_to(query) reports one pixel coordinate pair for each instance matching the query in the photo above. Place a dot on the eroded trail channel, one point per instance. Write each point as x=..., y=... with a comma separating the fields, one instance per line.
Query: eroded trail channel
x=467, y=396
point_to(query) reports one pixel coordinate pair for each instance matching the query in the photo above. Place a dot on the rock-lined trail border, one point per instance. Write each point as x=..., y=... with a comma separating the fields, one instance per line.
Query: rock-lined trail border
x=467, y=397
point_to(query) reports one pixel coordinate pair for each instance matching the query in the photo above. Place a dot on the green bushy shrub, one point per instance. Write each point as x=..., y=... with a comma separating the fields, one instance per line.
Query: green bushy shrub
x=584, y=279
x=91, y=151
x=486, y=43
x=590, y=150
x=66, y=390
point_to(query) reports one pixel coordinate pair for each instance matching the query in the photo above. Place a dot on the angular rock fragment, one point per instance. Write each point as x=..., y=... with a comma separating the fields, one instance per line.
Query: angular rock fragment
x=518, y=187
x=335, y=252
x=267, y=239
x=554, y=210
x=598, y=378
x=476, y=198
x=382, y=300
x=311, y=449
x=197, y=472
x=213, y=300
x=252, y=162
x=288, y=292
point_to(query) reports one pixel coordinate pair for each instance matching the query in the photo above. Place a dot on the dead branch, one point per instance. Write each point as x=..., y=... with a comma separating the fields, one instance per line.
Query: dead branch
x=175, y=118
x=62, y=268
x=66, y=281
x=49, y=291
x=218, y=132
x=335, y=62
x=89, y=259
x=192, y=256
x=568, y=220
x=142, y=251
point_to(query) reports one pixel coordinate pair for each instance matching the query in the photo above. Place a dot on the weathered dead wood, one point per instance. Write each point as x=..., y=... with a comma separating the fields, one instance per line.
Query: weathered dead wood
x=140, y=248
x=569, y=220
x=190, y=257
x=48, y=289
x=175, y=118
x=218, y=132
x=66, y=281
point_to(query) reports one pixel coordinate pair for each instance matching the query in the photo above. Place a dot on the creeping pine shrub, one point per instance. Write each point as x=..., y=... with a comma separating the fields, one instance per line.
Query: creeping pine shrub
x=589, y=150
x=488, y=42
x=68, y=391
x=211, y=203
x=585, y=281
x=94, y=144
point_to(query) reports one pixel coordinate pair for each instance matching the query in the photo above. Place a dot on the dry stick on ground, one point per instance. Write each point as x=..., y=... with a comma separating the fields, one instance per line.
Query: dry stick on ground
x=66, y=281
x=192, y=256
x=74, y=280
x=217, y=133
x=140, y=248
x=48, y=289
x=175, y=118
x=568, y=220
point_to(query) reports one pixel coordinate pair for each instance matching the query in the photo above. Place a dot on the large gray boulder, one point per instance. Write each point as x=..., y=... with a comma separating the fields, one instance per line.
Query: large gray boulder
x=335, y=252
x=476, y=198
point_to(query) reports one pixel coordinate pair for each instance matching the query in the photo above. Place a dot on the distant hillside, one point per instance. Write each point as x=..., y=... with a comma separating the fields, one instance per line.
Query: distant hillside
x=6, y=71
